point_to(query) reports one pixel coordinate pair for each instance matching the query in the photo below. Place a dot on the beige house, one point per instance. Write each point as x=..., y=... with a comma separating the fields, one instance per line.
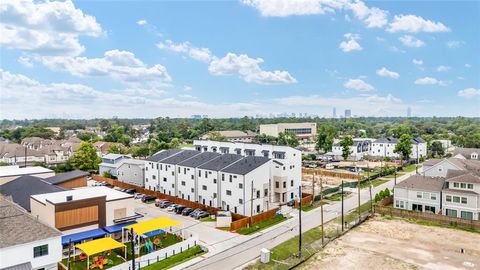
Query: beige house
x=304, y=131
x=233, y=135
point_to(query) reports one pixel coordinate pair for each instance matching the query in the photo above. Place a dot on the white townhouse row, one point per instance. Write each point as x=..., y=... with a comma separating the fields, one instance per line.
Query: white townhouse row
x=450, y=187
x=384, y=147
x=285, y=169
x=361, y=147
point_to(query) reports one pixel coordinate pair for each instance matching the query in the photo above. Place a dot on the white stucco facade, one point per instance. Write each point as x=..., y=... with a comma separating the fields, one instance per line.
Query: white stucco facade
x=19, y=254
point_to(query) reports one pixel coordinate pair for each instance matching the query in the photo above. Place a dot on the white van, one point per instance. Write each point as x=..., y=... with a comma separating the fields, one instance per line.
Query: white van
x=329, y=166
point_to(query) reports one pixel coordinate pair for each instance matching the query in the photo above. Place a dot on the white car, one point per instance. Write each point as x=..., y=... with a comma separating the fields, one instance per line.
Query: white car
x=171, y=208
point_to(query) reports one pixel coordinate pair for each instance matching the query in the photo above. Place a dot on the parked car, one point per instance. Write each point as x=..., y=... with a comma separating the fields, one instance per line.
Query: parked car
x=171, y=208
x=158, y=202
x=187, y=211
x=192, y=214
x=291, y=203
x=329, y=166
x=179, y=209
x=165, y=204
x=201, y=214
x=138, y=196
x=130, y=191
x=148, y=198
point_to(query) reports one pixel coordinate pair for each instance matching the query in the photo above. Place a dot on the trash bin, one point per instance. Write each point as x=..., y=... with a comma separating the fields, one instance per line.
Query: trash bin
x=265, y=255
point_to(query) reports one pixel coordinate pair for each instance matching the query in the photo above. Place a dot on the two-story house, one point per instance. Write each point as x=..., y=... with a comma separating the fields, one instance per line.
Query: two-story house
x=111, y=162
x=419, y=193
x=461, y=196
x=385, y=147
x=467, y=153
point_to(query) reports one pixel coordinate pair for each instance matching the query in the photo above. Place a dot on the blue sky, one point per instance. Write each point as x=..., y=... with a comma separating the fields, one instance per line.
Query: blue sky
x=89, y=59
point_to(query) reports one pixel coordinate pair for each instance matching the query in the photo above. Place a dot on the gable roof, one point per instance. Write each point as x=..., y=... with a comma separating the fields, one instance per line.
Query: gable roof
x=163, y=154
x=220, y=162
x=418, y=182
x=64, y=177
x=19, y=227
x=246, y=165
x=185, y=154
x=466, y=177
x=465, y=152
x=23, y=187
x=199, y=159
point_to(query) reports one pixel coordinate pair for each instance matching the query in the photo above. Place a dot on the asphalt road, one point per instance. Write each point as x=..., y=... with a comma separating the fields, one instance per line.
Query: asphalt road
x=238, y=256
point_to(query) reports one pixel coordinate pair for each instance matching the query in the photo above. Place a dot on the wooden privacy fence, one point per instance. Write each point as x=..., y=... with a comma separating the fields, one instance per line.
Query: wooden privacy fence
x=244, y=222
x=452, y=221
x=306, y=199
x=328, y=173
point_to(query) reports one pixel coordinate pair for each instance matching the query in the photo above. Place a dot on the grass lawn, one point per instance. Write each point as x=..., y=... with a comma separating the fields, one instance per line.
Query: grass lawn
x=262, y=225
x=375, y=183
x=337, y=196
x=170, y=240
x=289, y=247
x=207, y=219
x=176, y=259
x=353, y=215
x=185, y=145
x=224, y=228
x=410, y=168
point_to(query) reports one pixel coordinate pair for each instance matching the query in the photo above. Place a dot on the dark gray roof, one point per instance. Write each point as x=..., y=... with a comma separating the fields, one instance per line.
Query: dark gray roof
x=418, y=182
x=23, y=187
x=22, y=266
x=163, y=154
x=184, y=155
x=418, y=140
x=19, y=227
x=466, y=152
x=278, y=152
x=199, y=159
x=64, y=177
x=386, y=140
x=246, y=165
x=278, y=162
x=460, y=191
x=220, y=162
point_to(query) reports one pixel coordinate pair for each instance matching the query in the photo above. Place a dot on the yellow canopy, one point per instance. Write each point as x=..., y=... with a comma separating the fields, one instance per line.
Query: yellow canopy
x=152, y=225
x=99, y=245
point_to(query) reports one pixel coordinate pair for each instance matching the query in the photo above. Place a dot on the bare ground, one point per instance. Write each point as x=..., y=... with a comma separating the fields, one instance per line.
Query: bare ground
x=396, y=244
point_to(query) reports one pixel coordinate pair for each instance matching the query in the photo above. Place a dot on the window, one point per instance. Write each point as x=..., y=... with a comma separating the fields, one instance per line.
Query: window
x=199, y=173
x=463, y=185
x=230, y=178
x=265, y=192
x=258, y=194
x=205, y=174
x=291, y=183
x=40, y=251
x=192, y=190
x=229, y=192
x=399, y=204
x=470, y=186
x=448, y=198
x=426, y=195
x=284, y=184
x=154, y=177
x=240, y=185
x=184, y=170
x=193, y=176
x=164, y=179
x=291, y=195
x=240, y=201
x=214, y=181
x=466, y=215
x=429, y=209
x=277, y=184
x=173, y=173
x=433, y=196
x=214, y=195
x=419, y=195
x=223, y=177
x=455, y=184
x=258, y=208
x=456, y=199
x=178, y=169
x=183, y=183
x=464, y=200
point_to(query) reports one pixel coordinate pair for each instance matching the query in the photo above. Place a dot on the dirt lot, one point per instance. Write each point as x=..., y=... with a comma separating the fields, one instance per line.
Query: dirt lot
x=395, y=244
x=327, y=181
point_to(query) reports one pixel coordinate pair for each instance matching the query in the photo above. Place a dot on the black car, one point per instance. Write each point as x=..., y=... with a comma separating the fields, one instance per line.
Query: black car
x=179, y=209
x=291, y=203
x=187, y=211
x=201, y=214
x=148, y=198
x=131, y=191
x=192, y=214
x=165, y=204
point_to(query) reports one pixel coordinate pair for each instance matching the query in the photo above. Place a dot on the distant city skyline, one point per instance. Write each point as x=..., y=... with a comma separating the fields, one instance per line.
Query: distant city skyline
x=90, y=59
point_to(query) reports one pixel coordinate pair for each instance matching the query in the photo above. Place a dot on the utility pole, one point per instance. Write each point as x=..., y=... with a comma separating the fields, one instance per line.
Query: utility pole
x=69, y=253
x=395, y=174
x=369, y=186
x=358, y=184
x=321, y=209
x=300, y=221
x=343, y=226
x=133, y=247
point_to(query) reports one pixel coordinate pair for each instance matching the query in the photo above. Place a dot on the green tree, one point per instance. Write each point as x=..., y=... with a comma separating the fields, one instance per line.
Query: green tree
x=116, y=149
x=437, y=149
x=175, y=143
x=326, y=133
x=345, y=143
x=288, y=138
x=139, y=150
x=107, y=174
x=85, y=158
x=216, y=136
x=404, y=147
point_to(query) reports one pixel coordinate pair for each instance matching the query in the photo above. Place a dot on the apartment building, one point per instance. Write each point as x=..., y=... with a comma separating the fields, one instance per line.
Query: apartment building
x=361, y=147
x=285, y=168
x=153, y=169
x=384, y=147
x=304, y=131
x=169, y=172
x=233, y=135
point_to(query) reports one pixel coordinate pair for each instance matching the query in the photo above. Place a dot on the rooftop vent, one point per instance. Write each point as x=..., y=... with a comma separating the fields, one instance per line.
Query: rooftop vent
x=69, y=198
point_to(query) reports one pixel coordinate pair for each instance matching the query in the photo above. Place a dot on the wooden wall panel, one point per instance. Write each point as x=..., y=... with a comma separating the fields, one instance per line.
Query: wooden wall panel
x=74, y=183
x=75, y=217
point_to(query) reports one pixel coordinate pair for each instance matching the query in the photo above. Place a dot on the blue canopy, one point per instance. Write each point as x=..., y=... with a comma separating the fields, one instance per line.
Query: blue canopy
x=152, y=233
x=117, y=227
x=79, y=237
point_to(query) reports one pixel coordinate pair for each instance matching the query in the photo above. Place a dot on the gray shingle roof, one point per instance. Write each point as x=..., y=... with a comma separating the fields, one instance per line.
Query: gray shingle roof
x=466, y=152
x=418, y=182
x=163, y=154
x=459, y=191
x=23, y=187
x=386, y=140
x=199, y=159
x=220, y=162
x=182, y=156
x=19, y=227
x=64, y=177
x=22, y=266
x=246, y=165
x=467, y=177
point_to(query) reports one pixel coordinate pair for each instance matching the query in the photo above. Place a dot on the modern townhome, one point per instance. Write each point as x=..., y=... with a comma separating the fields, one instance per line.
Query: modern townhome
x=233, y=135
x=361, y=147
x=153, y=169
x=461, y=196
x=25, y=242
x=384, y=147
x=419, y=193
x=304, y=131
x=285, y=168
x=467, y=153
x=83, y=209
x=110, y=163
x=168, y=180
x=132, y=171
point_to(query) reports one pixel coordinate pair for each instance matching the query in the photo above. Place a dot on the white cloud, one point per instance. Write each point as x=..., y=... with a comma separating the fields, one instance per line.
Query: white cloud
x=468, y=65
x=48, y=28
x=415, y=24
x=200, y=54
x=142, y=22
x=384, y=72
x=372, y=17
x=358, y=84
x=417, y=62
x=25, y=61
x=350, y=44
x=248, y=69
x=121, y=65
x=453, y=44
x=443, y=68
x=430, y=81
x=383, y=99
x=469, y=93
x=411, y=41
